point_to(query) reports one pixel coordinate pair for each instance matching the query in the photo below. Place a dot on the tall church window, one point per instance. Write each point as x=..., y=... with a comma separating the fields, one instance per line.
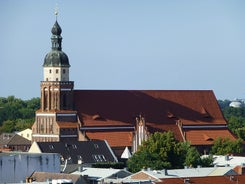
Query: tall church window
x=64, y=101
x=45, y=99
x=51, y=128
x=42, y=128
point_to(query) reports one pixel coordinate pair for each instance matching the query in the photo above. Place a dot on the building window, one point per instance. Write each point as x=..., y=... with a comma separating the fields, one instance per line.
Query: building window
x=96, y=146
x=99, y=158
x=95, y=157
x=64, y=71
x=57, y=71
x=51, y=128
x=57, y=79
x=51, y=147
x=42, y=128
x=50, y=71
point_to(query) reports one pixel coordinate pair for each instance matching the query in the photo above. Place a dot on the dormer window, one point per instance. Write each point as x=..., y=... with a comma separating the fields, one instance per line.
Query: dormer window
x=96, y=146
x=74, y=146
x=51, y=147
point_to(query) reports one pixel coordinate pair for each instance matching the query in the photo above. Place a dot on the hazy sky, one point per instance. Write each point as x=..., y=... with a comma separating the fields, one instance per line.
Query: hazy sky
x=127, y=44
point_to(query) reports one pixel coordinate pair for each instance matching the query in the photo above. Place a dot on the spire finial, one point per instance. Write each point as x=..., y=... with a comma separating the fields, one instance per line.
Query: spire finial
x=56, y=12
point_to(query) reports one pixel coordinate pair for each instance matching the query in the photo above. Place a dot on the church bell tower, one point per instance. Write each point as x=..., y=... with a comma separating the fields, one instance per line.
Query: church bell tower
x=56, y=89
x=56, y=120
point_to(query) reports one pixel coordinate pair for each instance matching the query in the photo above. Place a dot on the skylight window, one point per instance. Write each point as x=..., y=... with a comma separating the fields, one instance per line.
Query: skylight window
x=99, y=158
x=96, y=146
x=51, y=147
x=95, y=157
x=74, y=146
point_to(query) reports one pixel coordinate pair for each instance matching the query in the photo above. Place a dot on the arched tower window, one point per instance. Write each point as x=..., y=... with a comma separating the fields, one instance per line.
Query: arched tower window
x=45, y=104
x=64, y=101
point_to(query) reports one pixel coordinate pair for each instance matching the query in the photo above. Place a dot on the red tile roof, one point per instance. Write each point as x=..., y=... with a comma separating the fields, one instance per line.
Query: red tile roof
x=114, y=139
x=67, y=124
x=206, y=180
x=97, y=120
x=160, y=108
x=157, y=106
x=206, y=137
x=154, y=127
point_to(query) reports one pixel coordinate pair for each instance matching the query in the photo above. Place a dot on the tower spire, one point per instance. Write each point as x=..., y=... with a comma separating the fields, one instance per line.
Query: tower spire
x=56, y=11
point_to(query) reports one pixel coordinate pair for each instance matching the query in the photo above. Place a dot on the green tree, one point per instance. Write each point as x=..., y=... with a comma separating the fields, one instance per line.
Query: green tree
x=207, y=161
x=224, y=103
x=193, y=158
x=160, y=151
x=240, y=132
x=8, y=126
x=223, y=146
x=22, y=124
x=20, y=113
x=235, y=118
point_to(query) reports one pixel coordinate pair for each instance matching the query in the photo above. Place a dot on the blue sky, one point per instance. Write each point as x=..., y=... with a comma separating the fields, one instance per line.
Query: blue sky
x=127, y=44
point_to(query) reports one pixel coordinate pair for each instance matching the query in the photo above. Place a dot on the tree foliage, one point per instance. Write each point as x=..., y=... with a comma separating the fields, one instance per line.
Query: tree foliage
x=223, y=146
x=114, y=165
x=163, y=151
x=192, y=158
x=17, y=114
x=235, y=118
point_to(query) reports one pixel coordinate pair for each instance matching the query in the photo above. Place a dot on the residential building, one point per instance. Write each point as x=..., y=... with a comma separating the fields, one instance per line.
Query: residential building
x=228, y=160
x=56, y=178
x=77, y=152
x=204, y=180
x=16, y=166
x=27, y=133
x=160, y=175
x=14, y=142
x=103, y=175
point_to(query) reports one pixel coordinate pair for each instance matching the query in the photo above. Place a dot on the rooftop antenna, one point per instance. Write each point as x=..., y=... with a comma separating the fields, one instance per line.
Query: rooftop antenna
x=56, y=11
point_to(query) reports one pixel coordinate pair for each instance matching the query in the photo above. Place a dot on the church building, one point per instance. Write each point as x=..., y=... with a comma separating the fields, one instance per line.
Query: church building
x=124, y=118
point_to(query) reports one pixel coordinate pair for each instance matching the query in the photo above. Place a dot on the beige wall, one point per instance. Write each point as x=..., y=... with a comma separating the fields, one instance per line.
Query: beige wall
x=27, y=133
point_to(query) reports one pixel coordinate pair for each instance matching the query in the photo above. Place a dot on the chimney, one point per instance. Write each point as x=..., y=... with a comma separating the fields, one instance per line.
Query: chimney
x=240, y=169
x=232, y=178
x=79, y=162
x=243, y=170
x=79, y=169
x=165, y=172
x=187, y=181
